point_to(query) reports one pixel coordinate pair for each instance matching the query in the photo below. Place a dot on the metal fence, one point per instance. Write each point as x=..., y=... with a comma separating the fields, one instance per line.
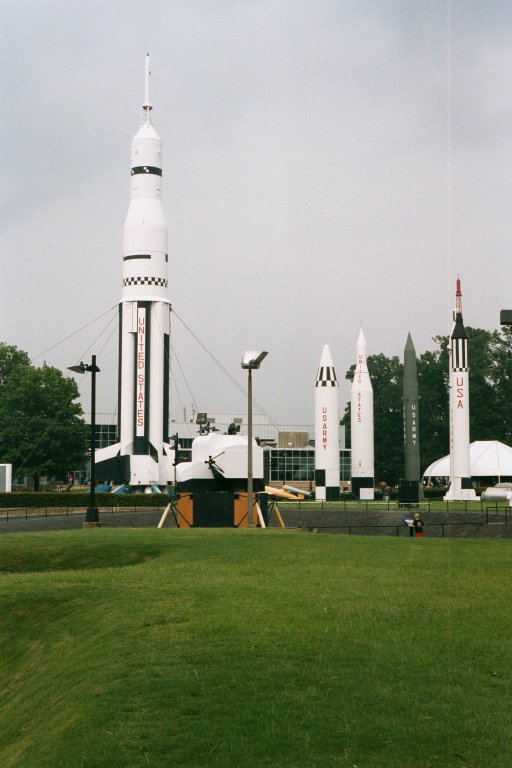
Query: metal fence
x=479, y=516
x=438, y=530
x=435, y=505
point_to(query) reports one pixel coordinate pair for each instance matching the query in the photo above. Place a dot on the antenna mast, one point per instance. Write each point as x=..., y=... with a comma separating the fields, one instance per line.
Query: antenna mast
x=458, y=298
x=146, y=107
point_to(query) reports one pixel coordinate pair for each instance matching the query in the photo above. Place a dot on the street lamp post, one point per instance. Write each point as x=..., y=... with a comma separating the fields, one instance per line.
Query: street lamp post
x=250, y=361
x=92, y=519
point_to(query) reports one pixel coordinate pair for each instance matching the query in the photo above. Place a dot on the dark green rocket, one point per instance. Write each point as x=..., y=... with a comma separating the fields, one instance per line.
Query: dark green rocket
x=412, y=472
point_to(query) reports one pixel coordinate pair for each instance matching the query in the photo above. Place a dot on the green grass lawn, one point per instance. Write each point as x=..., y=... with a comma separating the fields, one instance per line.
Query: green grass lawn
x=224, y=648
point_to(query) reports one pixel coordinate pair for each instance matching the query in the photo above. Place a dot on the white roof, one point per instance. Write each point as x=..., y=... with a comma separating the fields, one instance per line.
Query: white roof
x=488, y=458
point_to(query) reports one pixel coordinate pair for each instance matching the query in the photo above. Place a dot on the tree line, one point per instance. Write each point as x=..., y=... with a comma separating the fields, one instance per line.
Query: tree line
x=490, y=400
x=42, y=431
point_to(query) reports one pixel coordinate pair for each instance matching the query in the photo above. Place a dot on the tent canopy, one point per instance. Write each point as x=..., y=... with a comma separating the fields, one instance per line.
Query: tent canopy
x=488, y=458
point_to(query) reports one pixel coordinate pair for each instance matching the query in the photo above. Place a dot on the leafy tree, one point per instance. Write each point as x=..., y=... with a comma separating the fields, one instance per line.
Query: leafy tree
x=502, y=378
x=387, y=377
x=12, y=360
x=486, y=416
x=434, y=422
x=41, y=429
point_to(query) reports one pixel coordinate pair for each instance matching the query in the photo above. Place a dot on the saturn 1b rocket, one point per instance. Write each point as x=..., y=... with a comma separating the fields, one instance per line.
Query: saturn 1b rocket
x=461, y=487
x=327, y=434
x=361, y=426
x=141, y=455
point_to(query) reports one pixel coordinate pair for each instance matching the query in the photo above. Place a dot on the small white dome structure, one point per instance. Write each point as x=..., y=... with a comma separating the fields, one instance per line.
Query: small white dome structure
x=487, y=458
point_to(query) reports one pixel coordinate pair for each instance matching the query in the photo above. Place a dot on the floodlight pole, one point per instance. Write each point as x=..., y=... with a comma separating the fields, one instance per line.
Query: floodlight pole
x=250, y=360
x=92, y=519
x=249, y=449
x=92, y=516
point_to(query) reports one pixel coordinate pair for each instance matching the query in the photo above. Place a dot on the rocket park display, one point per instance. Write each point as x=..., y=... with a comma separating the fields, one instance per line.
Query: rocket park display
x=327, y=440
x=461, y=487
x=361, y=426
x=411, y=488
x=142, y=455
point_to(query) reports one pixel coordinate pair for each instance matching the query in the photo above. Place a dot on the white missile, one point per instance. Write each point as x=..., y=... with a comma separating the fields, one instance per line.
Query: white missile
x=461, y=487
x=327, y=435
x=140, y=458
x=361, y=426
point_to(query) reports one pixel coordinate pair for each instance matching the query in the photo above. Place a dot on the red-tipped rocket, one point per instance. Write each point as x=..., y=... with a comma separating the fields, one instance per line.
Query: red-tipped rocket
x=461, y=487
x=144, y=320
x=327, y=435
x=361, y=426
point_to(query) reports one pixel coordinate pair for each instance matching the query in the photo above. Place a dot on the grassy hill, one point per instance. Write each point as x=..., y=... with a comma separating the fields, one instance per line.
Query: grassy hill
x=224, y=648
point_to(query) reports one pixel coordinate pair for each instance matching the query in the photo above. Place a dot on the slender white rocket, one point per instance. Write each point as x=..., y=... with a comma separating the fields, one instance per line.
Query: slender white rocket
x=361, y=425
x=327, y=436
x=461, y=486
x=144, y=315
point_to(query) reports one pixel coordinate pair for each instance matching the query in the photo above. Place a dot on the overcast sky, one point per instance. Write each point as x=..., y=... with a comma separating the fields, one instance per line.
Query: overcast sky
x=326, y=163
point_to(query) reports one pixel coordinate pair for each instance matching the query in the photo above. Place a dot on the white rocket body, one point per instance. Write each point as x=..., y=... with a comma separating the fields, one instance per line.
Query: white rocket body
x=361, y=426
x=144, y=319
x=461, y=486
x=327, y=435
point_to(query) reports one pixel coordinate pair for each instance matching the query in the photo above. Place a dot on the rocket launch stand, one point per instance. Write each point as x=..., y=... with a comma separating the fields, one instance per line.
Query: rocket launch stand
x=173, y=509
x=203, y=510
x=410, y=493
x=460, y=490
x=274, y=508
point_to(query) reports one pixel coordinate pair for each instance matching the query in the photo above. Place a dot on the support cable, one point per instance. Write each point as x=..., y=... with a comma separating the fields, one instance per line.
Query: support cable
x=72, y=334
x=224, y=370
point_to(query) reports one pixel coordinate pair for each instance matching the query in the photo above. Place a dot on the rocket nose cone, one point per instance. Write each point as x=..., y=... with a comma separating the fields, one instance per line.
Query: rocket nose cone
x=458, y=331
x=409, y=346
x=361, y=341
x=326, y=357
x=326, y=376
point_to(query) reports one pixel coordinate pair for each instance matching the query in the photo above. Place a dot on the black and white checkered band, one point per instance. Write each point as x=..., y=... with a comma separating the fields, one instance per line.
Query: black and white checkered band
x=326, y=377
x=145, y=281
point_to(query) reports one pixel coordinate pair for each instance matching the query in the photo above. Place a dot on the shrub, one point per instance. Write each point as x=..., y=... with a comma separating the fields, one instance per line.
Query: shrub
x=81, y=499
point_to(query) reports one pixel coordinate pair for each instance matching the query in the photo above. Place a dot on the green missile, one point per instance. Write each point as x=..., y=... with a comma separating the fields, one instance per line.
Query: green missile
x=411, y=414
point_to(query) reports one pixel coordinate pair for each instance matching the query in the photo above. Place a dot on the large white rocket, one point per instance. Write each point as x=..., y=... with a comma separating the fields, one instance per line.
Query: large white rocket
x=361, y=426
x=327, y=430
x=141, y=457
x=461, y=487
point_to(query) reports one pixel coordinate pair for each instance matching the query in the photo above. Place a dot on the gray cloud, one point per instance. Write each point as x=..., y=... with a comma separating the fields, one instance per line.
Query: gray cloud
x=325, y=163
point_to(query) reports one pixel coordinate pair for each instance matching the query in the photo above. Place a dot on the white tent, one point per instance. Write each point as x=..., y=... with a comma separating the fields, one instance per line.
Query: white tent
x=488, y=458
